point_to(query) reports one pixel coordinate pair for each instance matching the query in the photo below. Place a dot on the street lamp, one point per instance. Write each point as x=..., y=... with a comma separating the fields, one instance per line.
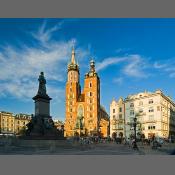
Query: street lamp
x=99, y=131
x=135, y=137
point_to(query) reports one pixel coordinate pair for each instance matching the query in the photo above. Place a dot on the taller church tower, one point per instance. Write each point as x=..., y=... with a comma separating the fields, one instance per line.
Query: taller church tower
x=73, y=91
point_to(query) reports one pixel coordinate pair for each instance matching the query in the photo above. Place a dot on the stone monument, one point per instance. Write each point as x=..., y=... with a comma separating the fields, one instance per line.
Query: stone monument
x=41, y=125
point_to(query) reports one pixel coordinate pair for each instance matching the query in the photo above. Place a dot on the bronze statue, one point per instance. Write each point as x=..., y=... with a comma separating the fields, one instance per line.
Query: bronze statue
x=42, y=84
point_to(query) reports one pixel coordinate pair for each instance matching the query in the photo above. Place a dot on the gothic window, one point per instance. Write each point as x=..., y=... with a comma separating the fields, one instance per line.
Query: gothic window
x=90, y=100
x=113, y=110
x=120, y=109
x=90, y=84
x=80, y=110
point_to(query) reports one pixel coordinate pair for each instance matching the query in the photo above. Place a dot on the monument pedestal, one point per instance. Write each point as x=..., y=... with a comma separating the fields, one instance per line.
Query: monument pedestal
x=41, y=125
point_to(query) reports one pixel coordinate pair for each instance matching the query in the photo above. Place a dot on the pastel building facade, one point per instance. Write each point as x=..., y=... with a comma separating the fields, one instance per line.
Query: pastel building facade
x=155, y=113
x=13, y=124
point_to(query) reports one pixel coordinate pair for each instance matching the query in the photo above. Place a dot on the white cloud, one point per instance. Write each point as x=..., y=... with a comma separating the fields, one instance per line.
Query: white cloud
x=118, y=80
x=159, y=66
x=168, y=67
x=20, y=68
x=43, y=35
x=136, y=67
x=133, y=65
x=108, y=62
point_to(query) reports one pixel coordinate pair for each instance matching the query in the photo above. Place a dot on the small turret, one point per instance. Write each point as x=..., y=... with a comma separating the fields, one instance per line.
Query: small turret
x=92, y=71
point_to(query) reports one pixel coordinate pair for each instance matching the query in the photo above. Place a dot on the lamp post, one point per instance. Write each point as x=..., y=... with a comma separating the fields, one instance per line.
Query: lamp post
x=135, y=137
x=99, y=131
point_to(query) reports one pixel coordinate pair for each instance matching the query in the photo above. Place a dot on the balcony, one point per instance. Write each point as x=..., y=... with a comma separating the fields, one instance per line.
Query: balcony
x=149, y=121
x=141, y=113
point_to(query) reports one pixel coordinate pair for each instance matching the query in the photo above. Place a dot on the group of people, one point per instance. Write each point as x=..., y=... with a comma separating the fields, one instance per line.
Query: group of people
x=153, y=142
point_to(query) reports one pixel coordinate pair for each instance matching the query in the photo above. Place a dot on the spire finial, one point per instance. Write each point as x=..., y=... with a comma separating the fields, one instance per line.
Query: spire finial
x=73, y=55
x=92, y=65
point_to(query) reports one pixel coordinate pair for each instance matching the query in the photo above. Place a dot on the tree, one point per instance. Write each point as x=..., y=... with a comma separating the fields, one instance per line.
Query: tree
x=120, y=134
x=114, y=135
x=22, y=131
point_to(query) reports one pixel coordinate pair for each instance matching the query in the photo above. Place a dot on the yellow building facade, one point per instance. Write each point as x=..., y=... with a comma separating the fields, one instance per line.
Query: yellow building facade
x=13, y=124
x=7, y=123
x=21, y=120
x=83, y=110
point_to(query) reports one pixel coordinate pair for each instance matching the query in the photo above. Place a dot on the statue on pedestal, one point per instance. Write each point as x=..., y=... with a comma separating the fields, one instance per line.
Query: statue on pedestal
x=41, y=125
x=42, y=84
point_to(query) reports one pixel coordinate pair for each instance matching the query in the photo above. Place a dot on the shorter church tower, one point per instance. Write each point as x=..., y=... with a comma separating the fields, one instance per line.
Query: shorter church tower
x=92, y=96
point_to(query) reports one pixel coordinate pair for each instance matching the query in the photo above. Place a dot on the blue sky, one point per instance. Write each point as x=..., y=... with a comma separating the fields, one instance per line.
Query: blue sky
x=131, y=55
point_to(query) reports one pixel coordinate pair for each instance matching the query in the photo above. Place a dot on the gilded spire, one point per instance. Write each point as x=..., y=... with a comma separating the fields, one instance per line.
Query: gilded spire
x=73, y=65
x=73, y=56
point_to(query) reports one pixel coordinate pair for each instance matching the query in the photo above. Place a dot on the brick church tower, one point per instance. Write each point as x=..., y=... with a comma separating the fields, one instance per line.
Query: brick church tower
x=83, y=110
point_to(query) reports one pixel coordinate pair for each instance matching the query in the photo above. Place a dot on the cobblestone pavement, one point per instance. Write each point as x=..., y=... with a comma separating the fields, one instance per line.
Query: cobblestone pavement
x=92, y=149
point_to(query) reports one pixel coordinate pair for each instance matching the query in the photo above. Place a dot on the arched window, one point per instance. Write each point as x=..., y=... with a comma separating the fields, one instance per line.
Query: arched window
x=90, y=84
x=90, y=94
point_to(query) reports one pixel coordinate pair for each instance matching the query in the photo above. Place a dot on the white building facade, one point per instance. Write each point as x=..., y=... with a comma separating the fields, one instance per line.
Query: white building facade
x=117, y=118
x=155, y=115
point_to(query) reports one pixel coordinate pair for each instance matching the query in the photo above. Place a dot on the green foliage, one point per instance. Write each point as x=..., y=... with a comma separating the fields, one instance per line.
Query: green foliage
x=22, y=131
